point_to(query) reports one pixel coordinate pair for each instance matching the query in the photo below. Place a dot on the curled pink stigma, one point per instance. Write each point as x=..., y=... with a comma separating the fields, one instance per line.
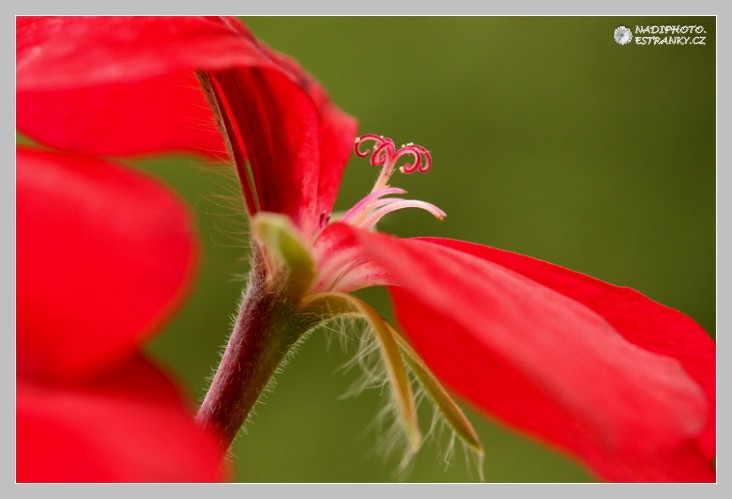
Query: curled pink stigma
x=422, y=161
x=383, y=148
x=385, y=154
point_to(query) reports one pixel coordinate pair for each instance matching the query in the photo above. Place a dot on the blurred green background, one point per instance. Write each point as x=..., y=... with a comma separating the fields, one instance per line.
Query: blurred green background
x=548, y=139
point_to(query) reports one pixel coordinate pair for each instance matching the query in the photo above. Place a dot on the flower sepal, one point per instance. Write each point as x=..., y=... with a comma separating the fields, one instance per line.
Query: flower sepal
x=400, y=359
x=284, y=253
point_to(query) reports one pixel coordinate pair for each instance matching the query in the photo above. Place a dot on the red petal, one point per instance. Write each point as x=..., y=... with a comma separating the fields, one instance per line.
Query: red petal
x=641, y=321
x=342, y=263
x=55, y=53
x=297, y=141
x=129, y=426
x=163, y=113
x=274, y=121
x=337, y=132
x=546, y=363
x=104, y=255
x=122, y=85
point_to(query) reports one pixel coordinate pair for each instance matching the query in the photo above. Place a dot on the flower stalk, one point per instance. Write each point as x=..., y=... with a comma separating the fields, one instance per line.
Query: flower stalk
x=265, y=330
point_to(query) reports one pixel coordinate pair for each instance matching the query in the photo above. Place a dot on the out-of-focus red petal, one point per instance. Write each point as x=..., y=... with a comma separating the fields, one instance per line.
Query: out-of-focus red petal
x=104, y=254
x=128, y=426
x=546, y=363
x=296, y=140
x=163, y=113
x=641, y=321
x=56, y=53
x=123, y=85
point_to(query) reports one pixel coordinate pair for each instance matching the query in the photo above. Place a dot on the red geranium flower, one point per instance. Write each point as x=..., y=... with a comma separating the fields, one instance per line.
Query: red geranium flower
x=619, y=381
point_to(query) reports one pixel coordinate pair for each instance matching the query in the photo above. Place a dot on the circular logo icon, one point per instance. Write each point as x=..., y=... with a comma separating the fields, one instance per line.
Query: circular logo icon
x=623, y=35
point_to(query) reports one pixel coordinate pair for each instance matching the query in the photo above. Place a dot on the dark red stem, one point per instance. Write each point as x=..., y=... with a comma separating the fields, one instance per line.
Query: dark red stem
x=266, y=328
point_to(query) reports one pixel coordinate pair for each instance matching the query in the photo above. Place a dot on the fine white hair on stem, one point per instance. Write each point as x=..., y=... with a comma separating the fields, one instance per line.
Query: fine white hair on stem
x=272, y=381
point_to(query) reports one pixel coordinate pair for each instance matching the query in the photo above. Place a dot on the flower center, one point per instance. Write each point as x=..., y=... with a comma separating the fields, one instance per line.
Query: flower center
x=369, y=210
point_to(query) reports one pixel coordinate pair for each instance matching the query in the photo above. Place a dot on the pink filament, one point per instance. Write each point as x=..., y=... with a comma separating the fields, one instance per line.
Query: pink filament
x=364, y=203
x=386, y=206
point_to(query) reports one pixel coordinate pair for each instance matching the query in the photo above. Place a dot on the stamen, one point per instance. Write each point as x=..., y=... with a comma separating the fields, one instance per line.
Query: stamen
x=392, y=204
x=350, y=214
x=372, y=208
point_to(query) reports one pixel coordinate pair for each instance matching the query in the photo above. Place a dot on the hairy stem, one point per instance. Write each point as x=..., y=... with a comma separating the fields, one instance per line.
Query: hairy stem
x=267, y=326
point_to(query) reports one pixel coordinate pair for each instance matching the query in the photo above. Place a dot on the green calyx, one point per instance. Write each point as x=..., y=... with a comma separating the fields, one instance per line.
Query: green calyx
x=286, y=252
